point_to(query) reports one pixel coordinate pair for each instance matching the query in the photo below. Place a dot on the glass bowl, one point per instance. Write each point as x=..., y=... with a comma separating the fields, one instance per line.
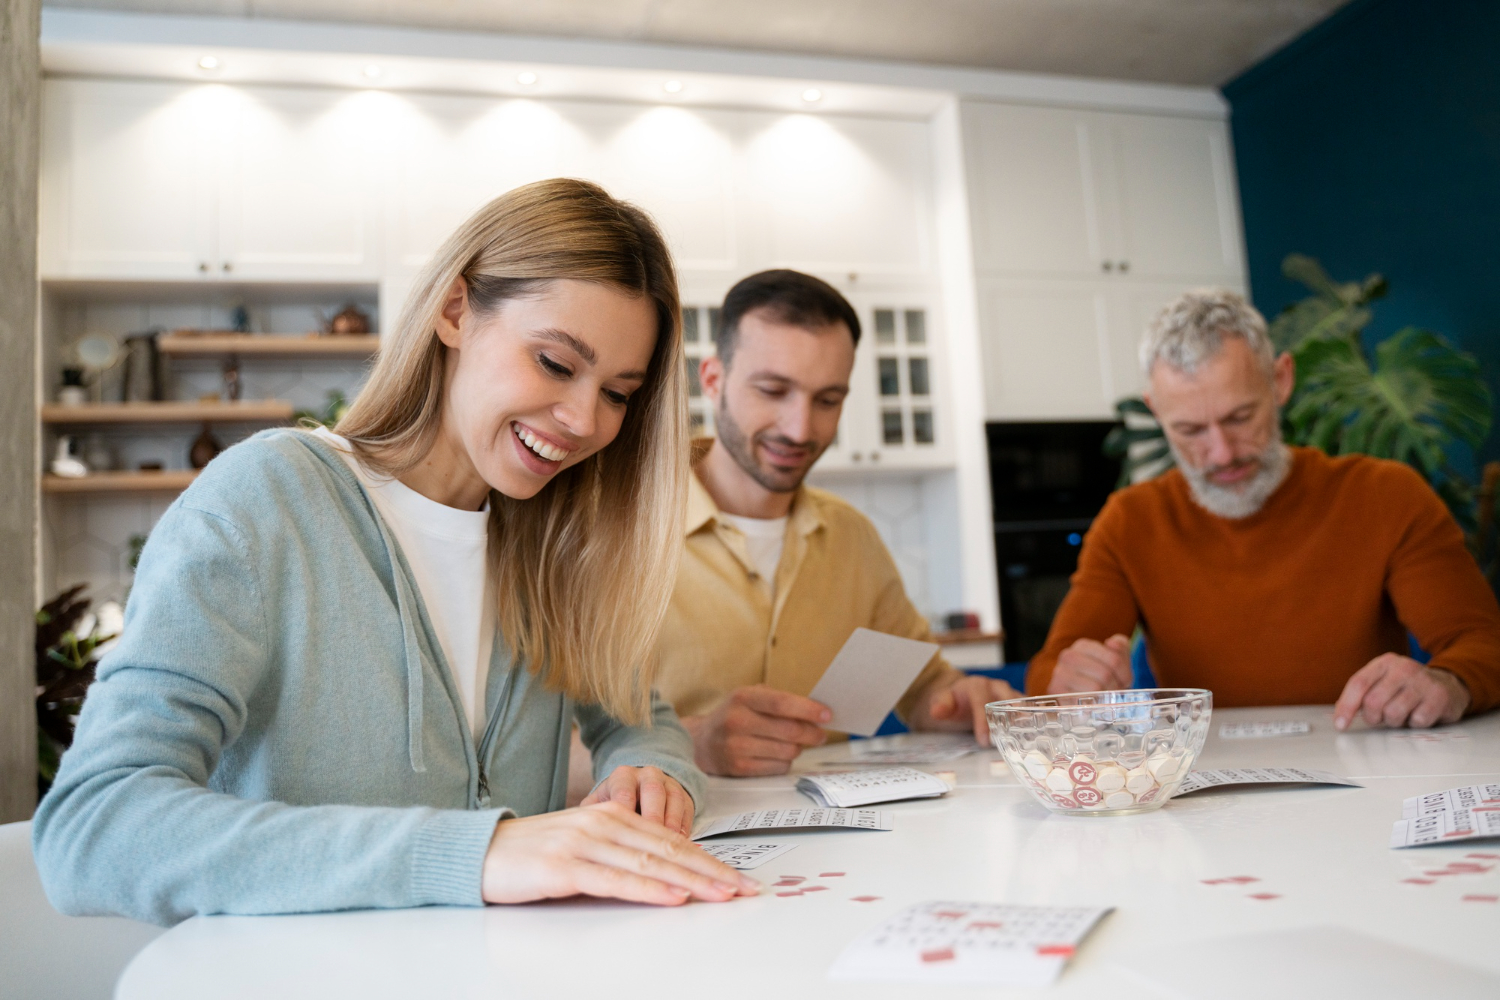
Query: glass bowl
x=1102, y=753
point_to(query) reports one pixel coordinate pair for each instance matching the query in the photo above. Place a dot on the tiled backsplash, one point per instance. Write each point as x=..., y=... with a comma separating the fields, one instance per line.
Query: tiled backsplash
x=916, y=517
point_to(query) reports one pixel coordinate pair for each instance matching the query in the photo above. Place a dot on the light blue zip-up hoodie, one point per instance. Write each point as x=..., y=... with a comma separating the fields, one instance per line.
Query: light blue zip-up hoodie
x=277, y=730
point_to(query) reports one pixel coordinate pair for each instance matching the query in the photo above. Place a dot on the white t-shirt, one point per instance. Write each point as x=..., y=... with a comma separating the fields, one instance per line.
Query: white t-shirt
x=446, y=549
x=764, y=538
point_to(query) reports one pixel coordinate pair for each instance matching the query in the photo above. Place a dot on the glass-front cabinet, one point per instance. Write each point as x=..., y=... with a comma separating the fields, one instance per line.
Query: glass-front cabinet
x=895, y=417
x=699, y=326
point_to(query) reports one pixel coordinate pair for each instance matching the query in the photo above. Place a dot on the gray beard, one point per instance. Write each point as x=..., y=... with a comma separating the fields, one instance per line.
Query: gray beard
x=1238, y=502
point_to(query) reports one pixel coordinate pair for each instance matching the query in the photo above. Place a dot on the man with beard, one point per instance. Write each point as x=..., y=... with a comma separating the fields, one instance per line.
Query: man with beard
x=775, y=575
x=1271, y=574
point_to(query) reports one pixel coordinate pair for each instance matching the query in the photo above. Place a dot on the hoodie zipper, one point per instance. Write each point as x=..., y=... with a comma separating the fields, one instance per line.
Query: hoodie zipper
x=491, y=728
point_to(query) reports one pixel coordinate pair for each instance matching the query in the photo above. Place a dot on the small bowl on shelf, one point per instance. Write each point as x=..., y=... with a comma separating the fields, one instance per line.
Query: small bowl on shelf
x=1102, y=753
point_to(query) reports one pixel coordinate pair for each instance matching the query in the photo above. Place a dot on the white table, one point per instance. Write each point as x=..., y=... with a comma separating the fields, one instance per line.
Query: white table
x=1322, y=851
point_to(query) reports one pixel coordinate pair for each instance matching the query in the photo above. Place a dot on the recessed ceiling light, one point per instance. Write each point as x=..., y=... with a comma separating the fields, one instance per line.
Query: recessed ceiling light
x=526, y=79
x=672, y=86
x=372, y=71
x=208, y=62
x=812, y=95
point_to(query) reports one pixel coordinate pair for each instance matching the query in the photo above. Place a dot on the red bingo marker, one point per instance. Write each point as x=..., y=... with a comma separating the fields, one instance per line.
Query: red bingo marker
x=1066, y=801
x=1082, y=772
x=1088, y=796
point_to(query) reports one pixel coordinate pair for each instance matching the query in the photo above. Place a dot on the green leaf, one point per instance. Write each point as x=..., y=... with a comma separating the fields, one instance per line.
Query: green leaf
x=1422, y=395
x=1309, y=271
x=1138, y=442
x=1335, y=310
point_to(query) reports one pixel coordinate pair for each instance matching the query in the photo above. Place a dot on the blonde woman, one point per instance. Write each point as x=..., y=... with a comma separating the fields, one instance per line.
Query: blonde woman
x=352, y=661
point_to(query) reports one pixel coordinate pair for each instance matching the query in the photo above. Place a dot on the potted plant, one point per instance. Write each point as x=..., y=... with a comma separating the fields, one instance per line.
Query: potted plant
x=69, y=640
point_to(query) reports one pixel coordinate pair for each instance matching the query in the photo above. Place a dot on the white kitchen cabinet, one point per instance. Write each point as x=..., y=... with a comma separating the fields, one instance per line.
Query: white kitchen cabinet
x=840, y=195
x=1176, y=212
x=1065, y=350
x=297, y=193
x=1046, y=349
x=1034, y=195
x=128, y=181
x=165, y=181
x=1063, y=192
x=1083, y=224
x=450, y=155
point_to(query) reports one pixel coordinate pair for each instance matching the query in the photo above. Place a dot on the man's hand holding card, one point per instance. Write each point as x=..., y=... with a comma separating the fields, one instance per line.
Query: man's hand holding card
x=759, y=730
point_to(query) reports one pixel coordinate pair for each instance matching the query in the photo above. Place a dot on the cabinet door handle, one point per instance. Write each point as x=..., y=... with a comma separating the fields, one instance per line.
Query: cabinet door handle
x=855, y=457
x=1108, y=265
x=1124, y=266
x=203, y=266
x=228, y=266
x=874, y=456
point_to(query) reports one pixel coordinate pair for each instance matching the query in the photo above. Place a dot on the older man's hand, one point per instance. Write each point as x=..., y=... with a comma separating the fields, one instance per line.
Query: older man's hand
x=1089, y=665
x=1394, y=690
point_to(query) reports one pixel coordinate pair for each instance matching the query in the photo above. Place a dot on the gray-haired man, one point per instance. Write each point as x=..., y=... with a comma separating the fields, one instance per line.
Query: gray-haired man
x=1271, y=574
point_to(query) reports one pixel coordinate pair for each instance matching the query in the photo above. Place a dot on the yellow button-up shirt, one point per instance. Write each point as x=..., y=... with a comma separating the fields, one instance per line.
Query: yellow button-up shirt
x=725, y=629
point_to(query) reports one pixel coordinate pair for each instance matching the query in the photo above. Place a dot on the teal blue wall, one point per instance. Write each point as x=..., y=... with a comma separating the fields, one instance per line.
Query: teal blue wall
x=1372, y=142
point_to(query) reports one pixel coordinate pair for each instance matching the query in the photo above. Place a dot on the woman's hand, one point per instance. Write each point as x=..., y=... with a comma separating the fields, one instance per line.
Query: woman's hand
x=650, y=792
x=603, y=850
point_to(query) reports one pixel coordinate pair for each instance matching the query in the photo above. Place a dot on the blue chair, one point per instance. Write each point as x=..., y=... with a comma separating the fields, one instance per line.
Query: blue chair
x=1140, y=665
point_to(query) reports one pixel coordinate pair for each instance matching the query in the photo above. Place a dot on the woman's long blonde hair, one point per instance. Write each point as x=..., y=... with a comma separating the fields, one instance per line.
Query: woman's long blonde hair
x=582, y=572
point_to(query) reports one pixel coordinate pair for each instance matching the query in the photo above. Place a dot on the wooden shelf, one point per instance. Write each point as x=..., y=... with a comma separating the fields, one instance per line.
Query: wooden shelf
x=259, y=411
x=305, y=345
x=120, y=482
x=963, y=635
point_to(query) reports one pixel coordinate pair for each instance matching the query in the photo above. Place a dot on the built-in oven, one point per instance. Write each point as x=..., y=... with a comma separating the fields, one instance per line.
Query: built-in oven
x=1048, y=479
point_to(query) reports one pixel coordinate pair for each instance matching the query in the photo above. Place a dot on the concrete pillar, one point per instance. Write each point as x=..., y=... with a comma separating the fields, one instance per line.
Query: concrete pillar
x=20, y=127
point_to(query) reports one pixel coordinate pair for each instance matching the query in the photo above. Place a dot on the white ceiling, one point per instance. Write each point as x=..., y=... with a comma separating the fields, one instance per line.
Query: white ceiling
x=1194, y=42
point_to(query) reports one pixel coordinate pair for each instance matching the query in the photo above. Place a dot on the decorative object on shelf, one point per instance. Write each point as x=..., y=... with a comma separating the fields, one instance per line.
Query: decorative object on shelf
x=232, y=385
x=349, y=320
x=141, y=380
x=961, y=621
x=150, y=467
x=239, y=318
x=204, y=449
x=72, y=392
x=97, y=454
x=68, y=642
x=332, y=413
x=64, y=463
x=96, y=353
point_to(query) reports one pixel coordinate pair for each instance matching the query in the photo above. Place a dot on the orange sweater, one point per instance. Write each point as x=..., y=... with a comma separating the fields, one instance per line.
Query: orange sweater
x=1280, y=608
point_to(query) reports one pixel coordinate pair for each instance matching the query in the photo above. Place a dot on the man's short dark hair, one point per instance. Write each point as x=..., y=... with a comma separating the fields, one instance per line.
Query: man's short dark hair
x=789, y=297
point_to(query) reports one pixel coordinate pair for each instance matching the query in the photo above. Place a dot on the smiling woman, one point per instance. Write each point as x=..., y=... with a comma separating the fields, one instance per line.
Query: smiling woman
x=352, y=661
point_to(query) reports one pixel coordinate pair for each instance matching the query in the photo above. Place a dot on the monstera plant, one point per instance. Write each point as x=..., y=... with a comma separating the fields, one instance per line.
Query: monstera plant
x=1413, y=398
